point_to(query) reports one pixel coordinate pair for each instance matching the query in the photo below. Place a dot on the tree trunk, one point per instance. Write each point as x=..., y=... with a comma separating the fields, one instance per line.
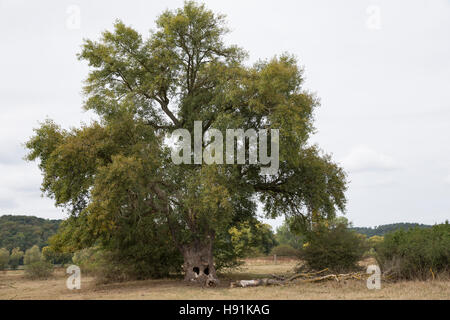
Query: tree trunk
x=199, y=263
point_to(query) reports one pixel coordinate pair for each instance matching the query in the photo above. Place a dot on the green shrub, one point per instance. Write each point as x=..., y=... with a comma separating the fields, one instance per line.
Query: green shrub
x=90, y=260
x=374, y=241
x=251, y=239
x=39, y=270
x=54, y=257
x=4, y=258
x=15, y=258
x=416, y=253
x=140, y=250
x=371, y=242
x=285, y=235
x=32, y=255
x=337, y=248
x=285, y=250
x=108, y=266
x=35, y=266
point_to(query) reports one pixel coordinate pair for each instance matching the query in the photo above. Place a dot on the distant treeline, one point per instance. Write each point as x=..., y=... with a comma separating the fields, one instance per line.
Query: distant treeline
x=26, y=231
x=386, y=228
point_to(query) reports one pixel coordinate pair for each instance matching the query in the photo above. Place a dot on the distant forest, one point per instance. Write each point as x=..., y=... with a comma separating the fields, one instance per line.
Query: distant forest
x=386, y=228
x=26, y=231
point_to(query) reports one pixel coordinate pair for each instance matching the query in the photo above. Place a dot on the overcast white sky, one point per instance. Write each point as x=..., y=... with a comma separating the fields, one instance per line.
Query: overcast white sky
x=381, y=69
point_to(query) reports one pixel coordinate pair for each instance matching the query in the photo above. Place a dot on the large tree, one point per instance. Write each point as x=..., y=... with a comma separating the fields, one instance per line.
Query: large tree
x=119, y=168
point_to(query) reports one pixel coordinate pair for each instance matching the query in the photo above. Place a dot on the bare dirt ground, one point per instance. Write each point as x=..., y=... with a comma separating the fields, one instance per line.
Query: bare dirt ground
x=13, y=285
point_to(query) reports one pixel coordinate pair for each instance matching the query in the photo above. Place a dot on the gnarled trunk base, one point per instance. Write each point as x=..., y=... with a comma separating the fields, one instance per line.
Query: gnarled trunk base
x=199, y=264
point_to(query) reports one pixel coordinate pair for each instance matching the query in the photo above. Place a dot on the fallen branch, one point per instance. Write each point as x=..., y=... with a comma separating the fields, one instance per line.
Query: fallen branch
x=306, y=275
x=255, y=283
x=302, y=277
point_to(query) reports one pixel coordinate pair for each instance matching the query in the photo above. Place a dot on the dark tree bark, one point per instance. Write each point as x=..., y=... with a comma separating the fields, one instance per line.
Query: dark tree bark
x=199, y=263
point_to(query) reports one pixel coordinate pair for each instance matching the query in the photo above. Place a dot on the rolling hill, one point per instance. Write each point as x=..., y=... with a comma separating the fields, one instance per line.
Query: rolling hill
x=25, y=231
x=386, y=228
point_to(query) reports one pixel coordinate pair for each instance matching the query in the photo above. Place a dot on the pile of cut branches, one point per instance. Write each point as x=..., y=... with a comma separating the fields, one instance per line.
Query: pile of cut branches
x=318, y=276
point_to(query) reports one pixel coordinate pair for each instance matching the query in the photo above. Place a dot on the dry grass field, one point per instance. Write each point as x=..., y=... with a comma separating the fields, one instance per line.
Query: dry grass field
x=13, y=285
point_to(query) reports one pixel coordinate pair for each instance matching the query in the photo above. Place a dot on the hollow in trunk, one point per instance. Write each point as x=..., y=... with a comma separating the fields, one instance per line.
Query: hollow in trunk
x=199, y=264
